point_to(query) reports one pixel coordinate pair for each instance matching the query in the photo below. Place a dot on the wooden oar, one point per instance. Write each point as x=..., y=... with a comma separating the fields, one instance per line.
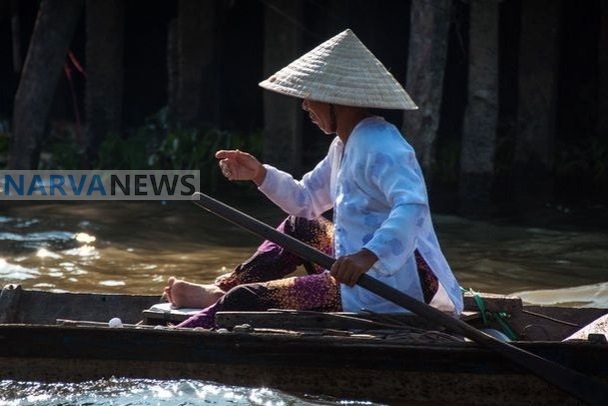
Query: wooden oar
x=585, y=388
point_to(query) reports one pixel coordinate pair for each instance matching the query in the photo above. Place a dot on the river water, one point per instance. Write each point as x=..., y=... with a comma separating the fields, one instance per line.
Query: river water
x=134, y=247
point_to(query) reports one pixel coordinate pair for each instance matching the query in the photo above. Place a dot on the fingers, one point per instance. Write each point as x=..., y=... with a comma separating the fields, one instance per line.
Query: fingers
x=347, y=269
x=226, y=154
x=228, y=162
x=226, y=169
x=235, y=154
x=238, y=165
x=342, y=271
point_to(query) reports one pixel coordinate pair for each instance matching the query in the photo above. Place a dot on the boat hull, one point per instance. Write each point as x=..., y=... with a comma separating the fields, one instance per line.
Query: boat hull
x=344, y=368
x=63, y=337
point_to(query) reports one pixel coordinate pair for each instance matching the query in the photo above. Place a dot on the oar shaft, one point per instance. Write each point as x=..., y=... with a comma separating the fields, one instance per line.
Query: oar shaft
x=573, y=382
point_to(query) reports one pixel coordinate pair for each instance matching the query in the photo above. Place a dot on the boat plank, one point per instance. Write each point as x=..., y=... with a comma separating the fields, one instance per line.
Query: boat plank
x=39, y=307
x=552, y=323
x=292, y=319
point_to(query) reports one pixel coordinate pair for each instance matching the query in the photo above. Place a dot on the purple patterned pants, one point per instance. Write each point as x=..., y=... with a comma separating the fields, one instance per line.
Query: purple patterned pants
x=260, y=283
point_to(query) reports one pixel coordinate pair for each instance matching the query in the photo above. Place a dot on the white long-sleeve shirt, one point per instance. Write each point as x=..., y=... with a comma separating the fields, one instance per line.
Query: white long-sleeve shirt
x=376, y=188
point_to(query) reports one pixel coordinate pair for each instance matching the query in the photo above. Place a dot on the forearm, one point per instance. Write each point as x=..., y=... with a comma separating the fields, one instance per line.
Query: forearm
x=293, y=196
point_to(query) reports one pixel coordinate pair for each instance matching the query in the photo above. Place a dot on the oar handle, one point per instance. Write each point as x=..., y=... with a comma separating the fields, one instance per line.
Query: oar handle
x=573, y=382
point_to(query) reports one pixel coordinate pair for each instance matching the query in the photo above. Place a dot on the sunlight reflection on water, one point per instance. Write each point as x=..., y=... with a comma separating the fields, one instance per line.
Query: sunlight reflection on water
x=147, y=392
x=134, y=247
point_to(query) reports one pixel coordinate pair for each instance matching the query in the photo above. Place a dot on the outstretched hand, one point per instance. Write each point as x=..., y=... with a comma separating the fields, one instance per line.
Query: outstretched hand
x=239, y=165
x=348, y=268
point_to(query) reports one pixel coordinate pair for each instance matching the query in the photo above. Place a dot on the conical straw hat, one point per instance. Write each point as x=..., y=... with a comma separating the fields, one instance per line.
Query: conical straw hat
x=341, y=71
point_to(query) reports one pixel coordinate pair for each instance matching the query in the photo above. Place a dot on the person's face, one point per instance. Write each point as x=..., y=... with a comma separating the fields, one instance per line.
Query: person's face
x=319, y=114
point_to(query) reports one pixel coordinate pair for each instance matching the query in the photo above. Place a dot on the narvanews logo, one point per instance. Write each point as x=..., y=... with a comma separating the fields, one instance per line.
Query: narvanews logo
x=98, y=185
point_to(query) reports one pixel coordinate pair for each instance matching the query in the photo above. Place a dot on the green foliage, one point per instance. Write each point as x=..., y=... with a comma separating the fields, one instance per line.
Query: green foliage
x=117, y=152
x=587, y=160
x=156, y=145
x=160, y=145
x=61, y=149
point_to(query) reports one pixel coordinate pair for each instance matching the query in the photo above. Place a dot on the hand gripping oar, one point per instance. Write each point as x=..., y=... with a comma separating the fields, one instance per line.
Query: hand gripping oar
x=583, y=387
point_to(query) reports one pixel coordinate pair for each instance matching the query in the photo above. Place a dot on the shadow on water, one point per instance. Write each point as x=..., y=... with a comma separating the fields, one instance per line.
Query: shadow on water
x=133, y=247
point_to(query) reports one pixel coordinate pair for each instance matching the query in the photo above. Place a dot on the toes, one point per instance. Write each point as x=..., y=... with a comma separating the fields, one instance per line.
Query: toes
x=167, y=291
x=167, y=294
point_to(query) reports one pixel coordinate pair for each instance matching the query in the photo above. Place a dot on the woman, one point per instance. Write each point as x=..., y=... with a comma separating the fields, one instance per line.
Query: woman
x=371, y=179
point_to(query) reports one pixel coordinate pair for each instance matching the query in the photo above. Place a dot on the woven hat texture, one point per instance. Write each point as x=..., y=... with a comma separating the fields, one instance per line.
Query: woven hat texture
x=341, y=71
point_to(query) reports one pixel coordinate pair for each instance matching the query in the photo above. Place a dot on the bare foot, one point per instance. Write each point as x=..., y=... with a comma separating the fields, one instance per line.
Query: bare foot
x=185, y=294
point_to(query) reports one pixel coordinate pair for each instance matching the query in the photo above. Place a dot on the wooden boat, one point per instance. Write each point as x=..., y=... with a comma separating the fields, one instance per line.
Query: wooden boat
x=65, y=337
